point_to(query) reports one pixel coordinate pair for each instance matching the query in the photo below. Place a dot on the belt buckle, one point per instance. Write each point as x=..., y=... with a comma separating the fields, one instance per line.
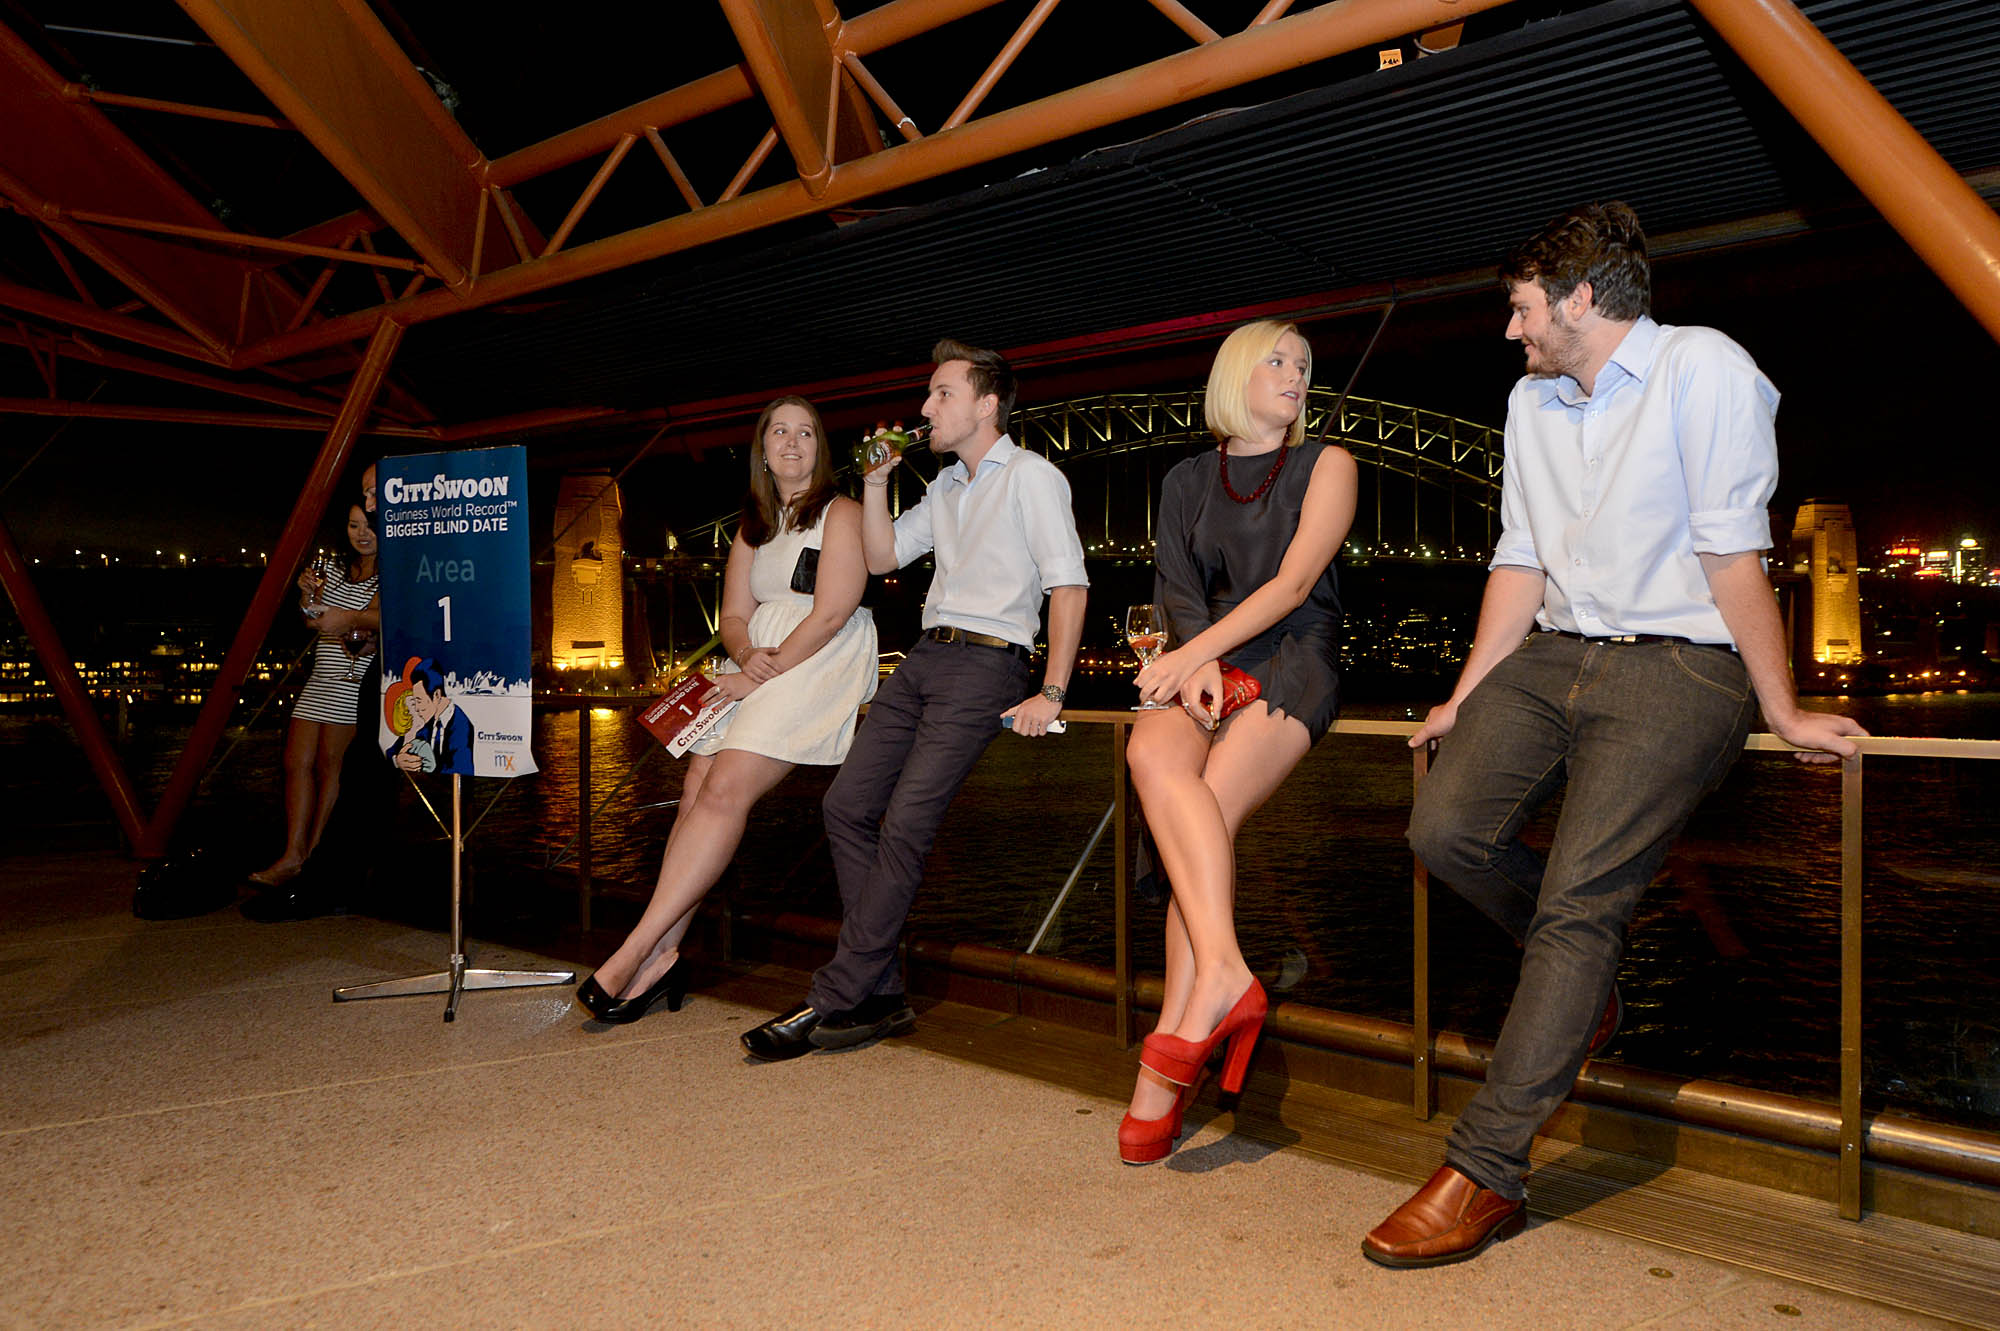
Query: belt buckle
x=944, y=633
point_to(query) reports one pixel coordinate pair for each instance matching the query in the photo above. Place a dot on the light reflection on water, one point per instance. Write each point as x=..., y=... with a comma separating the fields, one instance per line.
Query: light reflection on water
x=1737, y=982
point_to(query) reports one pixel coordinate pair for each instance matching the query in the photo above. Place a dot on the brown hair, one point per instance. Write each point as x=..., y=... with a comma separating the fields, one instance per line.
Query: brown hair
x=1598, y=243
x=764, y=514
x=989, y=372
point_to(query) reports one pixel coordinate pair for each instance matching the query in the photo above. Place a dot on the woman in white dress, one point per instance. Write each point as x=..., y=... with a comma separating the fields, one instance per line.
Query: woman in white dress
x=322, y=723
x=802, y=660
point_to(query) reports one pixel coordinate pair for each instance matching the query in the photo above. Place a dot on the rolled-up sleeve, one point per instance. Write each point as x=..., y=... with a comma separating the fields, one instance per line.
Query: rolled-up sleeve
x=1725, y=415
x=914, y=538
x=1516, y=546
x=1049, y=523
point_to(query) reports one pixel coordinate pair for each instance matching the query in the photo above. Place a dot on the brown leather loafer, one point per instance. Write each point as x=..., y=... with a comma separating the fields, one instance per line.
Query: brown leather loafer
x=1450, y=1219
x=1608, y=1024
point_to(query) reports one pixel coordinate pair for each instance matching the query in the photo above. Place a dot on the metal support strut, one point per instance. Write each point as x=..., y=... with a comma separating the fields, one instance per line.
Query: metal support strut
x=460, y=977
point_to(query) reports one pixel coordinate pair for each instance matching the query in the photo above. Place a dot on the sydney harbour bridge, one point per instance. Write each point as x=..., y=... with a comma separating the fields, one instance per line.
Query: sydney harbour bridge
x=1430, y=483
x=1429, y=488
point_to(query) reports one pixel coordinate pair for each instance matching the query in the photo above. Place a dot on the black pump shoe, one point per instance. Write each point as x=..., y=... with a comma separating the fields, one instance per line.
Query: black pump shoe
x=594, y=998
x=672, y=986
x=783, y=1037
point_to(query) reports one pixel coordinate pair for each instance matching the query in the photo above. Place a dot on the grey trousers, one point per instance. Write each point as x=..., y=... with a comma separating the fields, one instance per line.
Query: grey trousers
x=924, y=732
x=1641, y=732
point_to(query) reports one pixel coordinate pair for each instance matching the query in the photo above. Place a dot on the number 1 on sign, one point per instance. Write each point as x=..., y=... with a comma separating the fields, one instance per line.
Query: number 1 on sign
x=444, y=604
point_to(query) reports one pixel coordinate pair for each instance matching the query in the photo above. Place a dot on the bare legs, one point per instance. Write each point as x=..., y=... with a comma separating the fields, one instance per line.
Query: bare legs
x=1197, y=791
x=716, y=800
x=313, y=750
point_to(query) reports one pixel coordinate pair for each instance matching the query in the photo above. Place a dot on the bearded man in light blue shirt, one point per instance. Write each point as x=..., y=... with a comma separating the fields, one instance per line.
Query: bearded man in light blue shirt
x=1000, y=525
x=1627, y=636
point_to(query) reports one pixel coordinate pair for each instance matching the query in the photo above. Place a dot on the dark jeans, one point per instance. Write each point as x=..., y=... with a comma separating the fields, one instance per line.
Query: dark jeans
x=1642, y=732
x=923, y=733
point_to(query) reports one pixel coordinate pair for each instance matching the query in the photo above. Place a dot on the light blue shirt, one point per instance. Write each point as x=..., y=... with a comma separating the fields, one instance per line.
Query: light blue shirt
x=1614, y=494
x=1003, y=537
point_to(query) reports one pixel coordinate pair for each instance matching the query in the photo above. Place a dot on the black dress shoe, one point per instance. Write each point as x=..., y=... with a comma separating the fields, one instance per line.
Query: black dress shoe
x=672, y=986
x=870, y=1019
x=783, y=1037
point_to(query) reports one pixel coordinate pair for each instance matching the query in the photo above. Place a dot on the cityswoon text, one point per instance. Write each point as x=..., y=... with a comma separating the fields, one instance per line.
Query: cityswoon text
x=441, y=486
x=453, y=505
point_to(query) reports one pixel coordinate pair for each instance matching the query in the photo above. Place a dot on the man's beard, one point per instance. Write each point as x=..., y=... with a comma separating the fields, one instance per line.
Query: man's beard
x=1559, y=352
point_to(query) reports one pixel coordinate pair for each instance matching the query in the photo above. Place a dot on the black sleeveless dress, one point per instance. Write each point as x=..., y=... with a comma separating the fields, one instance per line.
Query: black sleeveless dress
x=1212, y=552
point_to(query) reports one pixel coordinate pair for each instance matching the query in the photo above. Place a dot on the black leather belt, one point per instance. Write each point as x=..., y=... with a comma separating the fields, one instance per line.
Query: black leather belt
x=1627, y=638
x=949, y=633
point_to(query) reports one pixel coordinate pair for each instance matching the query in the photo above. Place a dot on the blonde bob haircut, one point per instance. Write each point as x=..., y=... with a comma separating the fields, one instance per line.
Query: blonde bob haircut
x=1223, y=407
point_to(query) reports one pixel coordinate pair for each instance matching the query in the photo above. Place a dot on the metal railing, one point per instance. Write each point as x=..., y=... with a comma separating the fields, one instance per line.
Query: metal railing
x=1787, y=1120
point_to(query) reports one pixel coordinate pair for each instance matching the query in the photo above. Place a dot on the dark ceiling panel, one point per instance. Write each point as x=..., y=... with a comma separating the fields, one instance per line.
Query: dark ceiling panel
x=1432, y=169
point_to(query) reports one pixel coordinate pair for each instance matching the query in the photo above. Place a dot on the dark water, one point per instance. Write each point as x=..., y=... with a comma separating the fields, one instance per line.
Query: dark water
x=1732, y=967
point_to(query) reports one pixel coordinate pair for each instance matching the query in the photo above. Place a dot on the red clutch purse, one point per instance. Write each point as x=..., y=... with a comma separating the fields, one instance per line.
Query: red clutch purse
x=1239, y=690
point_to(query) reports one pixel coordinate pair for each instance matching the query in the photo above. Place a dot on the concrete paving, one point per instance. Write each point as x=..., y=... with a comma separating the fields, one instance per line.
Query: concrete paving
x=193, y=1134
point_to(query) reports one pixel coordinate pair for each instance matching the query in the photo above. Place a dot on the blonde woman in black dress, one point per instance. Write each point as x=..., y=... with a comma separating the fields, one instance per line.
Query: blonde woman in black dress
x=1244, y=574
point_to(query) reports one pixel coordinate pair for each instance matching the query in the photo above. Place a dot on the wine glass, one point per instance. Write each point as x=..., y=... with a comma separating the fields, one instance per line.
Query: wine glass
x=359, y=644
x=310, y=605
x=1146, y=633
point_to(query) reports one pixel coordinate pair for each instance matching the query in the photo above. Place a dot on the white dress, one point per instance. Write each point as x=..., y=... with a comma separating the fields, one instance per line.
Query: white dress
x=805, y=715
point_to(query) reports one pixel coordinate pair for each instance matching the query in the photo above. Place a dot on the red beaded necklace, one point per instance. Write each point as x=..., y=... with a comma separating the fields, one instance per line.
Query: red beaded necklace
x=1222, y=451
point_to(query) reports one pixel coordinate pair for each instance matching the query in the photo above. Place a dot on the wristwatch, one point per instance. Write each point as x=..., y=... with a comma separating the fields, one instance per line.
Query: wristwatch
x=1055, y=693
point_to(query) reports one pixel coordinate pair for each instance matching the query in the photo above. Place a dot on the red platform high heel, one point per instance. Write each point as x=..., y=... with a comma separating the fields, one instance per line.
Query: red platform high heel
x=1141, y=1141
x=1181, y=1061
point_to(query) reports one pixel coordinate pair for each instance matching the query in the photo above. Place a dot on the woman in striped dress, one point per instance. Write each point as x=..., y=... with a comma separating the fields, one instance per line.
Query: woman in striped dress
x=323, y=717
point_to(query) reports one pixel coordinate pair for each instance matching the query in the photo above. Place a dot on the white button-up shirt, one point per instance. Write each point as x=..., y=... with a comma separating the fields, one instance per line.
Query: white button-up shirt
x=1003, y=537
x=1614, y=494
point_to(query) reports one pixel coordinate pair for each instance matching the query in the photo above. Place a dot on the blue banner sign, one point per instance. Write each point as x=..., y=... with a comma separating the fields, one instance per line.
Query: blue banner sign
x=457, y=696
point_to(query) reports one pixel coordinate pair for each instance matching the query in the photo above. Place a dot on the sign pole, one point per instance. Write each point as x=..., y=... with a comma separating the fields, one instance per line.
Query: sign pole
x=460, y=977
x=455, y=611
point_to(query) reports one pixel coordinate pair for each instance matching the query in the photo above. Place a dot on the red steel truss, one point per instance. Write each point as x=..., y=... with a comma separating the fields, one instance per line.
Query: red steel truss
x=439, y=228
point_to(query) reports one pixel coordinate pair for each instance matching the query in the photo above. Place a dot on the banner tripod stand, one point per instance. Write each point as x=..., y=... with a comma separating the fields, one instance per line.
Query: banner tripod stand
x=460, y=977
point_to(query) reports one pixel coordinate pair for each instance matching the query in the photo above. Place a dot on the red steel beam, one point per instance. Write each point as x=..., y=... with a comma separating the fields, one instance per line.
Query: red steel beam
x=272, y=588
x=76, y=314
x=1024, y=34
x=667, y=159
x=77, y=92
x=79, y=350
x=334, y=72
x=76, y=705
x=338, y=231
x=61, y=256
x=56, y=150
x=1235, y=60
x=1187, y=21
x=789, y=58
x=590, y=193
x=525, y=422
x=883, y=26
x=1944, y=220
x=878, y=94
x=751, y=165
x=219, y=236
x=255, y=420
